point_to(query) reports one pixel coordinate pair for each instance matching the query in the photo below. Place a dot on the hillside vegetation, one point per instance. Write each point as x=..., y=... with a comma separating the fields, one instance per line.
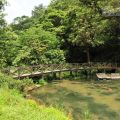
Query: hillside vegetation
x=13, y=106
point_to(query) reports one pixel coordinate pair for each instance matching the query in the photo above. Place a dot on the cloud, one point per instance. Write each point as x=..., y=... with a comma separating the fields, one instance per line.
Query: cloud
x=17, y=8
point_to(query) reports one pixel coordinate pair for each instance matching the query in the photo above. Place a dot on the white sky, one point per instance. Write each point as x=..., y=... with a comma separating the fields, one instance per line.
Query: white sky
x=21, y=7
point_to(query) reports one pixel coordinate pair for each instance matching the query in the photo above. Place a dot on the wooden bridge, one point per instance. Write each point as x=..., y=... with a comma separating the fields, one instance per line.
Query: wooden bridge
x=45, y=69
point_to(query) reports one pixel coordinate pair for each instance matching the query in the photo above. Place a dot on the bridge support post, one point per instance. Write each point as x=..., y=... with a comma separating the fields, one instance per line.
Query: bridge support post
x=60, y=75
x=54, y=75
x=76, y=73
x=18, y=70
x=88, y=73
x=43, y=77
x=71, y=73
x=104, y=71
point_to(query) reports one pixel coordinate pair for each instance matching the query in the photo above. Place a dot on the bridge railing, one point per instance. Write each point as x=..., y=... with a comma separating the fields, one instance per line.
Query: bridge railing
x=17, y=71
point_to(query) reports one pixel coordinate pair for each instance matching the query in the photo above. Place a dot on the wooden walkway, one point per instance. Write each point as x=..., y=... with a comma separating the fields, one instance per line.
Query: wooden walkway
x=112, y=76
x=30, y=75
x=45, y=69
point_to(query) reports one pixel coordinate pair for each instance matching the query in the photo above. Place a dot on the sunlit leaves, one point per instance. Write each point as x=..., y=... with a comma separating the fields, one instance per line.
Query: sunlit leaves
x=35, y=45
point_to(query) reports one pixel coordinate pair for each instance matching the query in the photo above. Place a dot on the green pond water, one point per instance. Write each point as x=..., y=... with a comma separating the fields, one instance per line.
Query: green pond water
x=98, y=100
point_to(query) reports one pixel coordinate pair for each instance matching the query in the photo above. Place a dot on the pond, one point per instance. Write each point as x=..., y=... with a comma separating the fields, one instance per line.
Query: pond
x=97, y=100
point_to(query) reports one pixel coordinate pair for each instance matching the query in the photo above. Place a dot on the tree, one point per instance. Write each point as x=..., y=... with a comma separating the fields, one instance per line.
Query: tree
x=2, y=30
x=112, y=13
x=36, y=46
x=77, y=22
x=65, y=27
x=86, y=26
x=2, y=21
x=21, y=23
x=38, y=12
x=10, y=46
x=111, y=6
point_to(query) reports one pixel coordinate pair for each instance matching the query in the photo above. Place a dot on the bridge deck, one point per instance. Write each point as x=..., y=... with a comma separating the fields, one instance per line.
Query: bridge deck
x=42, y=73
x=108, y=76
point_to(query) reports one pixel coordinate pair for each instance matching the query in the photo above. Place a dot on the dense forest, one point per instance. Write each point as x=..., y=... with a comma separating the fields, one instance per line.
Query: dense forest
x=71, y=31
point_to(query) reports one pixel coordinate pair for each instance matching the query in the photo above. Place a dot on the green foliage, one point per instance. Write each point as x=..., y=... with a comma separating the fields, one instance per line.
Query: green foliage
x=21, y=23
x=38, y=14
x=83, y=25
x=64, y=30
x=87, y=27
x=15, y=107
x=55, y=56
x=111, y=6
x=42, y=82
x=9, y=43
x=36, y=47
x=14, y=84
x=2, y=21
x=2, y=29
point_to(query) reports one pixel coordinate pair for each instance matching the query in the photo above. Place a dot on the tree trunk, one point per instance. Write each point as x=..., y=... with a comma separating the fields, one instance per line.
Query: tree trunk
x=88, y=55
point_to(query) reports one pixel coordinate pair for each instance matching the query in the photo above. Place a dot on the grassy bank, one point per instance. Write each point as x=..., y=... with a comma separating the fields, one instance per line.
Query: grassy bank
x=15, y=107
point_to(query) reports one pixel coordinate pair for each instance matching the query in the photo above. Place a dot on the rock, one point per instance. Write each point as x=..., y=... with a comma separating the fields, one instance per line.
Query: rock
x=110, y=90
x=28, y=96
x=30, y=88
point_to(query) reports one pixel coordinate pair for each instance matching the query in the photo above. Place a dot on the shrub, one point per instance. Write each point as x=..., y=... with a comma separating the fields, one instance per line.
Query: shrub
x=12, y=83
x=42, y=82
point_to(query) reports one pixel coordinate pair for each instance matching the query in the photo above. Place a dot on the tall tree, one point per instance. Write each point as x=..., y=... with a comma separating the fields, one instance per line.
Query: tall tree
x=87, y=26
x=78, y=22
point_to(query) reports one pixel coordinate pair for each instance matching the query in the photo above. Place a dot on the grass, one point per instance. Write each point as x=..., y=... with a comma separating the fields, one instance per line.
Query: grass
x=14, y=107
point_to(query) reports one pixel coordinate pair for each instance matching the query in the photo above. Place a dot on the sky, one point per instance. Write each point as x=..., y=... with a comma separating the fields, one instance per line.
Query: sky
x=17, y=8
